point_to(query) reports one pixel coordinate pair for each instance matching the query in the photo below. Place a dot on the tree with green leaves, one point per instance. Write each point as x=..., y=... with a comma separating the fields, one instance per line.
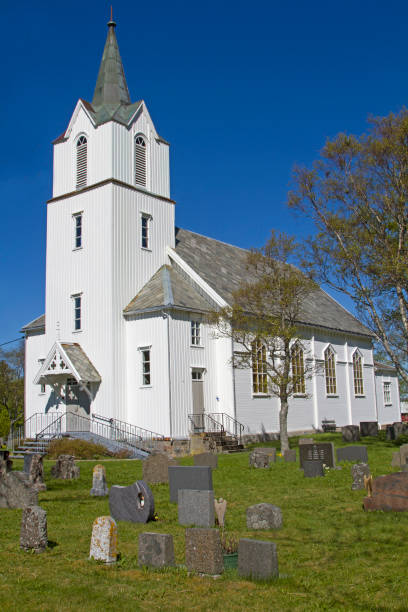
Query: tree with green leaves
x=12, y=383
x=357, y=196
x=263, y=323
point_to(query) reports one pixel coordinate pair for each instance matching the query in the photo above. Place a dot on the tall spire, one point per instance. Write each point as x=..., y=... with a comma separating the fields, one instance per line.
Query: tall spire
x=111, y=87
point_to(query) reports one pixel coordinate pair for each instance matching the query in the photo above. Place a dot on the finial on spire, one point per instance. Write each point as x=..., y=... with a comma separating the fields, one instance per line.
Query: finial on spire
x=111, y=22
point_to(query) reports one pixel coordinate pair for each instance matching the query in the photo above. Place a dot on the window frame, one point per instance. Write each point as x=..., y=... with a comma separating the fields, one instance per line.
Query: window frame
x=259, y=376
x=330, y=376
x=145, y=217
x=75, y=216
x=195, y=333
x=143, y=370
x=81, y=162
x=78, y=309
x=298, y=363
x=388, y=399
x=136, y=159
x=358, y=381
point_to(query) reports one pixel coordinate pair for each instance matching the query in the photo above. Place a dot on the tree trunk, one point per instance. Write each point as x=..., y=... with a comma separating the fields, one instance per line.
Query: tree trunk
x=283, y=425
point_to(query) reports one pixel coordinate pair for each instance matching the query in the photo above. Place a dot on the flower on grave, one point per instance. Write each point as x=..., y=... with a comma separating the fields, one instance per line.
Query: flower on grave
x=280, y=455
x=155, y=517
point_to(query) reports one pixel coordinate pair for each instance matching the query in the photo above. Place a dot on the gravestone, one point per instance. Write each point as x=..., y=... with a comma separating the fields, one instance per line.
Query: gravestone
x=156, y=468
x=313, y=469
x=99, y=486
x=305, y=441
x=65, y=468
x=189, y=477
x=104, y=541
x=196, y=508
x=389, y=493
x=396, y=430
x=134, y=503
x=396, y=459
x=258, y=460
x=368, y=428
x=318, y=451
x=33, y=466
x=257, y=559
x=16, y=491
x=264, y=516
x=358, y=471
x=5, y=456
x=352, y=453
x=220, y=507
x=33, y=534
x=209, y=459
x=204, y=551
x=290, y=455
x=156, y=549
x=351, y=433
x=400, y=457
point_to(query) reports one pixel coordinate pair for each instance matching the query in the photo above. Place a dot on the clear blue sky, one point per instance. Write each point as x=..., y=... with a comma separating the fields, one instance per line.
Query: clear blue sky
x=242, y=91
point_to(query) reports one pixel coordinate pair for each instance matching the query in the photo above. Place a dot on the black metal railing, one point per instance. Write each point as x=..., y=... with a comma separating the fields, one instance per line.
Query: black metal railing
x=216, y=422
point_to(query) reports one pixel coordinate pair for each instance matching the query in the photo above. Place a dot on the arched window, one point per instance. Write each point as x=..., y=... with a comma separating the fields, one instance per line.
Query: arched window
x=358, y=374
x=298, y=369
x=330, y=371
x=259, y=371
x=81, y=162
x=140, y=161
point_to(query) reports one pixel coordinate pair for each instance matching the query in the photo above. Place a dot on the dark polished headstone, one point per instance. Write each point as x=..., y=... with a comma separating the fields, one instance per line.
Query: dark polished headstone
x=368, y=428
x=313, y=469
x=319, y=451
x=189, y=477
x=134, y=503
x=352, y=453
x=390, y=493
x=351, y=433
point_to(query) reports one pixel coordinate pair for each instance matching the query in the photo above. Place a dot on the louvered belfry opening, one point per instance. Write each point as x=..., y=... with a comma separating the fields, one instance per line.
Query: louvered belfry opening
x=81, y=170
x=140, y=161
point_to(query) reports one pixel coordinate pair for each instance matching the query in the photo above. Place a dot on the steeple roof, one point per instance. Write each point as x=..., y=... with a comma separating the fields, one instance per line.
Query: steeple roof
x=111, y=88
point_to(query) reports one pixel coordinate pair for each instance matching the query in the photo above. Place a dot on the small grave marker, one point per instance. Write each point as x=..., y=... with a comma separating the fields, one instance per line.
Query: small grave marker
x=318, y=451
x=156, y=549
x=352, y=453
x=257, y=559
x=204, y=551
x=206, y=459
x=351, y=433
x=104, y=541
x=358, y=472
x=33, y=466
x=134, y=503
x=313, y=469
x=196, y=508
x=264, y=516
x=99, y=486
x=369, y=428
x=189, y=477
x=65, y=468
x=156, y=468
x=33, y=534
x=290, y=455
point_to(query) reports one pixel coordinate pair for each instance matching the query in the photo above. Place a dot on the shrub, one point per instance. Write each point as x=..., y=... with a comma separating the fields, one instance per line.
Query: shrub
x=81, y=449
x=403, y=439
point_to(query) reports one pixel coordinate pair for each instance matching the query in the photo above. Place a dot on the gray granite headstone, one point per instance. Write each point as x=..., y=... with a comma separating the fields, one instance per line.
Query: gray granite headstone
x=352, y=453
x=33, y=534
x=312, y=469
x=189, y=477
x=156, y=549
x=209, y=459
x=264, y=516
x=196, y=508
x=65, y=468
x=290, y=455
x=368, y=428
x=134, y=503
x=351, y=433
x=156, y=468
x=358, y=471
x=305, y=441
x=16, y=491
x=33, y=466
x=204, y=551
x=104, y=541
x=318, y=451
x=257, y=559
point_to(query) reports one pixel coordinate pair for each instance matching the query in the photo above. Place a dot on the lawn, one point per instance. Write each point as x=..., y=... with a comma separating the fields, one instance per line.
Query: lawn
x=332, y=554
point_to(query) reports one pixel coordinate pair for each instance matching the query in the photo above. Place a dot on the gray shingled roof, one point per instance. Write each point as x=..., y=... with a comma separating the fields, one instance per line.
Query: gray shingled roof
x=167, y=288
x=37, y=323
x=87, y=372
x=223, y=267
x=387, y=367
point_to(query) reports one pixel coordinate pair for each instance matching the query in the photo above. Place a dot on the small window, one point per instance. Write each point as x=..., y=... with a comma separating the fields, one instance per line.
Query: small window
x=140, y=161
x=77, y=230
x=146, y=377
x=197, y=375
x=195, y=333
x=81, y=162
x=358, y=374
x=77, y=312
x=259, y=369
x=145, y=237
x=330, y=371
x=298, y=370
x=387, y=393
x=42, y=388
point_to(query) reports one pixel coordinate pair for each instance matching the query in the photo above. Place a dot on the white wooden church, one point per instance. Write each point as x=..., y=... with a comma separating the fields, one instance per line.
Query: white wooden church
x=124, y=334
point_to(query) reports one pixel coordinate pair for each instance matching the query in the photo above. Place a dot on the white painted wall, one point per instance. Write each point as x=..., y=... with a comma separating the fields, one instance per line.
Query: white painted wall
x=390, y=412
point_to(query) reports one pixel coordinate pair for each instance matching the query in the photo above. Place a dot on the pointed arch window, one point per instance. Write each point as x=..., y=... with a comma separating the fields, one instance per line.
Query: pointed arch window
x=298, y=370
x=259, y=369
x=330, y=371
x=81, y=162
x=140, y=160
x=358, y=374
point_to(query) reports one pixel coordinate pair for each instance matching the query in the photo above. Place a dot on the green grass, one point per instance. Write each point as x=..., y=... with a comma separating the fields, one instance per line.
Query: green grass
x=332, y=554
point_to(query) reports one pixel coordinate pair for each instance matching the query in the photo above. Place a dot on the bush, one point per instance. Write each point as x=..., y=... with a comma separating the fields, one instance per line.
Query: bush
x=403, y=439
x=81, y=449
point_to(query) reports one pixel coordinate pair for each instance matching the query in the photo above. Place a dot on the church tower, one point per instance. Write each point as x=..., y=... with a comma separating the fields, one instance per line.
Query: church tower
x=108, y=225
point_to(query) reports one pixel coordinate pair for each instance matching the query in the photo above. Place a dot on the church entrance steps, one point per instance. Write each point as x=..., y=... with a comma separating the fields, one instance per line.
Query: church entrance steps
x=219, y=429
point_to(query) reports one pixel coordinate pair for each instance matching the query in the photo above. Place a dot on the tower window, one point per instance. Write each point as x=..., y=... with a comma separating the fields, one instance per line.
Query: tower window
x=145, y=236
x=387, y=392
x=330, y=371
x=140, y=161
x=81, y=162
x=77, y=312
x=77, y=230
x=195, y=333
x=146, y=378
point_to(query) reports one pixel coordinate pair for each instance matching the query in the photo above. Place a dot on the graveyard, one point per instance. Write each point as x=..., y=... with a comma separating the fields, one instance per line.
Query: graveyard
x=331, y=552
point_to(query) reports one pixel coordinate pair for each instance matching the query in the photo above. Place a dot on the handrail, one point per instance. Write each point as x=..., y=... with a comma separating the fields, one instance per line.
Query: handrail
x=217, y=421
x=130, y=426
x=203, y=421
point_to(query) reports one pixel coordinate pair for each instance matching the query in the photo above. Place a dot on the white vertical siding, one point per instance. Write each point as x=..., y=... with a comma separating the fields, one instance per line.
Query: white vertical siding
x=35, y=349
x=391, y=412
